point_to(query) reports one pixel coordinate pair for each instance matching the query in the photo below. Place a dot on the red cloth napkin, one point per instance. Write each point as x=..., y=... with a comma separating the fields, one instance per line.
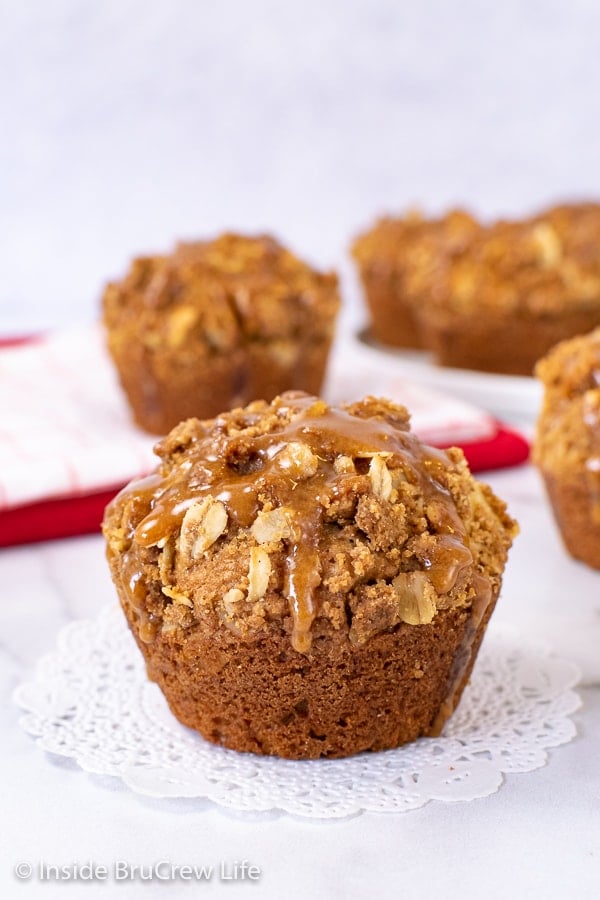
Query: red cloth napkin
x=67, y=444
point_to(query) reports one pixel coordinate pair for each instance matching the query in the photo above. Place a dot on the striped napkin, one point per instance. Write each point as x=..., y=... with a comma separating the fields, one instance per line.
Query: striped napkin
x=67, y=441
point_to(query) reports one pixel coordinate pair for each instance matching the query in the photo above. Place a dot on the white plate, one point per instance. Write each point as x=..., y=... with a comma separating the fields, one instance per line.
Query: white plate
x=513, y=398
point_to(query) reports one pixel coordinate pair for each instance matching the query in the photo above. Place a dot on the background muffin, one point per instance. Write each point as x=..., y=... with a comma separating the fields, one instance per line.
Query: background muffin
x=394, y=259
x=567, y=444
x=493, y=297
x=305, y=580
x=216, y=324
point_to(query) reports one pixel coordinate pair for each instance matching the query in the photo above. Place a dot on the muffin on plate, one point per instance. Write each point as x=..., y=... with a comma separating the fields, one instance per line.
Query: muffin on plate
x=567, y=443
x=305, y=580
x=496, y=297
x=216, y=324
x=393, y=259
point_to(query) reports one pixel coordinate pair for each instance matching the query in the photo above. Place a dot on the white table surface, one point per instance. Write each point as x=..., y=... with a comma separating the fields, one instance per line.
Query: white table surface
x=129, y=124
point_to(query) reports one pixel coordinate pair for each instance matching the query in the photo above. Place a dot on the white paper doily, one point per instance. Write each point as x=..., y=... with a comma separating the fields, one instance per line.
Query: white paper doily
x=90, y=700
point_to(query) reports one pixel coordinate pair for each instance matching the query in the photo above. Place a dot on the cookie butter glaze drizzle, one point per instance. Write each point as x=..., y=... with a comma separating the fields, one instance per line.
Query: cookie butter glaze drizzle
x=247, y=469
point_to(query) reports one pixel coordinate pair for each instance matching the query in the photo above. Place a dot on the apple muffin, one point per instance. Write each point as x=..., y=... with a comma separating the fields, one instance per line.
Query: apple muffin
x=306, y=580
x=492, y=297
x=216, y=324
x=395, y=260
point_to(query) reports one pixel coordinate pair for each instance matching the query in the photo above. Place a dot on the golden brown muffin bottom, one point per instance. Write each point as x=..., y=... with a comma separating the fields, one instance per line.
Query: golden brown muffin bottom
x=488, y=343
x=392, y=319
x=158, y=404
x=218, y=382
x=577, y=513
x=336, y=701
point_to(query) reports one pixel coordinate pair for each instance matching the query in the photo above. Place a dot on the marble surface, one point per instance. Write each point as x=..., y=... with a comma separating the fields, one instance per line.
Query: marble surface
x=131, y=123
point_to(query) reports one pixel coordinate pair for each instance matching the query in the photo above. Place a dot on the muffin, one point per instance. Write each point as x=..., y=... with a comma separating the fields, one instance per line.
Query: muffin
x=567, y=442
x=495, y=297
x=392, y=257
x=305, y=580
x=217, y=324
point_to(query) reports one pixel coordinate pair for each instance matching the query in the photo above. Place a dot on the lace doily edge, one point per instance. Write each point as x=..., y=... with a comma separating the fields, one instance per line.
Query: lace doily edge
x=143, y=780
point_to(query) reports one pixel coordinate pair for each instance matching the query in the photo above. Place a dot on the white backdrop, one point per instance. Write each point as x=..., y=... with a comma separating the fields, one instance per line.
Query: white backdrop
x=126, y=124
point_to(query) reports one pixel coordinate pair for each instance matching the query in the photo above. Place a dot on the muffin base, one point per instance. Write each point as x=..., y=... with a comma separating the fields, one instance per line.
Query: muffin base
x=159, y=403
x=273, y=374
x=160, y=398
x=338, y=700
x=577, y=515
x=510, y=346
x=392, y=318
